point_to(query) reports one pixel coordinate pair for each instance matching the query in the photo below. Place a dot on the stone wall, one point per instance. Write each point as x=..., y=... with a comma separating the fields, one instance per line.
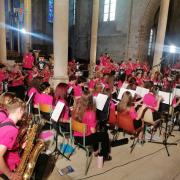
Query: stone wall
x=127, y=37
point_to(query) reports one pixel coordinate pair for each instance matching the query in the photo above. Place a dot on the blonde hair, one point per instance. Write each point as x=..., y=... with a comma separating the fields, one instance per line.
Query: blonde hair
x=5, y=98
x=14, y=104
x=126, y=102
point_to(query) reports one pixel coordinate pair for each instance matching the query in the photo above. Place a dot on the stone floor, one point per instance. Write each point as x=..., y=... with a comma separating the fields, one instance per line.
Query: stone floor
x=148, y=162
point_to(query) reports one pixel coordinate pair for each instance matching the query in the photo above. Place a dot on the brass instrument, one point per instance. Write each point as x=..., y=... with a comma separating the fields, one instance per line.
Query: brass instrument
x=30, y=153
x=26, y=153
x=33, y=159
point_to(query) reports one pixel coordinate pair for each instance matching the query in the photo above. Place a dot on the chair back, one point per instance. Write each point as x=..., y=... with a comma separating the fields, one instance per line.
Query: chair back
x=45, y=108
x=148, y=117
x=112, y=117
x=125, y=122
x=79, y=127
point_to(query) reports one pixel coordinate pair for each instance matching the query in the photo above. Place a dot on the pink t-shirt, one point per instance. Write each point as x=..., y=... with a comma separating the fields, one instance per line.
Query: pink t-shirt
x=91, y=84
x=36, y=94
x=20, y=79
x=8, y=135
x=43, y=98
x=89, y=119
x=28, y=61
x=150, y=100
x=78, y=91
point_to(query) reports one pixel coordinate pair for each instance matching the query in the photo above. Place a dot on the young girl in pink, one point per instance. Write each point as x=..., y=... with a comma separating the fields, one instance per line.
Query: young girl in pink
x=152, y=101
x=85, y=112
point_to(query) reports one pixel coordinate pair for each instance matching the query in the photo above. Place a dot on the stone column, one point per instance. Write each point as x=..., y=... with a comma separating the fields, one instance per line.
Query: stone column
x=94, y=31
x=60, y=42
x=3, y=53
x=27, y=24
x=161, y=32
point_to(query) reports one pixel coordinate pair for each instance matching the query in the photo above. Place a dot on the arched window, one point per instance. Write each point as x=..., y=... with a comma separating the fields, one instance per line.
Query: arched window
x=109, y=10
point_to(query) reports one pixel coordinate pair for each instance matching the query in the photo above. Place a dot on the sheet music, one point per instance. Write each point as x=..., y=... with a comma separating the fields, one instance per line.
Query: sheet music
x=167, y=97
x=124, y=85
x=122, y=90
x=57, y=111
x=141, y=91
x=70, y=90
x=100, y=101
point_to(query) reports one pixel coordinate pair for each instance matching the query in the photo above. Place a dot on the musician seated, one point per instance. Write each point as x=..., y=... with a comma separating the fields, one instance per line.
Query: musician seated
x=9, y=157
x=126, y=104
x=44, y=97
x=60, y=95
x=85, y=112
x=152, y=101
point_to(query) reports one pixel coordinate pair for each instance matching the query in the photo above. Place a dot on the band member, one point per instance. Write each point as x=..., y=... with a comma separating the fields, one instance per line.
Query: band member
x=28, y=61
x=9, y=157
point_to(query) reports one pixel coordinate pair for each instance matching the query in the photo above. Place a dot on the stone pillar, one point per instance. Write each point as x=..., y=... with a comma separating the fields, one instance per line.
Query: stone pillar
x=27, y=24
x=3, y=53
x=161, y=32
x=94, y=31
x=60, y=41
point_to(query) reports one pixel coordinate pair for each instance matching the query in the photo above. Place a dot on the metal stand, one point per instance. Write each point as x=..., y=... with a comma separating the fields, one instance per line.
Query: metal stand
x=166, y=136
x=56, y=150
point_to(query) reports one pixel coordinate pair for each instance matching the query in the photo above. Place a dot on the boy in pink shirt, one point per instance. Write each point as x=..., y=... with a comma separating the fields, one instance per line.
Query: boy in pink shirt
x=9, y=157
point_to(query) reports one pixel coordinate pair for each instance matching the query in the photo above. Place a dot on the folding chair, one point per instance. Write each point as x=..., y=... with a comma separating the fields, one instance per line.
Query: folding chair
x=81, y=128
x=44, y=112
x=126, y=124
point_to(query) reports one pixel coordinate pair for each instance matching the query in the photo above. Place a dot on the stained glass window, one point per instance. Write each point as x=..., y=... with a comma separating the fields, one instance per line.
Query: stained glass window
x=51, y=11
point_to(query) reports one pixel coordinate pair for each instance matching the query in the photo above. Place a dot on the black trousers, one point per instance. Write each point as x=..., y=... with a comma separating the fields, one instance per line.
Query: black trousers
x=94, y=140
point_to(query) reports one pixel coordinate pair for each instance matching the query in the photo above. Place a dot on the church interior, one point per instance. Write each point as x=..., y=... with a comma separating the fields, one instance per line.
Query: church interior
x=89, y=89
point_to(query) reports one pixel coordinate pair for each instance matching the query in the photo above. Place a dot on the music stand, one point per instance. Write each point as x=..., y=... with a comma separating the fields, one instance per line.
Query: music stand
x=54, y=119
x=166, y=133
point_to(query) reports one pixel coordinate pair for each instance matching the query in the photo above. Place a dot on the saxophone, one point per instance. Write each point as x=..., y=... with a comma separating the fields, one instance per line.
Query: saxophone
x=29, y=146
x=32, y=159
x=30, y=153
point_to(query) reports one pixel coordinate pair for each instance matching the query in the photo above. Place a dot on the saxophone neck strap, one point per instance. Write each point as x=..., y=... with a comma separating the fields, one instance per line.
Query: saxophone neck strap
x=7, y=124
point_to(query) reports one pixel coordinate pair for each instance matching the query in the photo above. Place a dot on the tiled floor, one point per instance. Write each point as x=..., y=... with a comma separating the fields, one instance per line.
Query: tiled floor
x=148, y=162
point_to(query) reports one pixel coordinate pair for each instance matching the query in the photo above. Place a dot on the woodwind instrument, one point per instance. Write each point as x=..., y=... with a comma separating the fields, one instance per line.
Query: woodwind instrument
x=39, y=146
x=26, y=153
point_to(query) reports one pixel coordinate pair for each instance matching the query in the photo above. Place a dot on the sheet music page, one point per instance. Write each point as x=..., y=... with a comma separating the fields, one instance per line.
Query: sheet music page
x=124, y=85
x=141, y=91
x=70, y=90
x=100, y=101
x=122, y=90
x=166, y=97
x=57, y=111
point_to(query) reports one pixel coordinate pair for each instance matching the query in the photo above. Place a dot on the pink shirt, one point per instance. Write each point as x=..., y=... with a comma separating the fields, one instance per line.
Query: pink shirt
x=28, y=61
x=78, y=91
x=89, y=119
x=150, y=100
x=36, y=94
x=19, y=81
x=43, y=98
x=91, y=84
x=8, y=135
